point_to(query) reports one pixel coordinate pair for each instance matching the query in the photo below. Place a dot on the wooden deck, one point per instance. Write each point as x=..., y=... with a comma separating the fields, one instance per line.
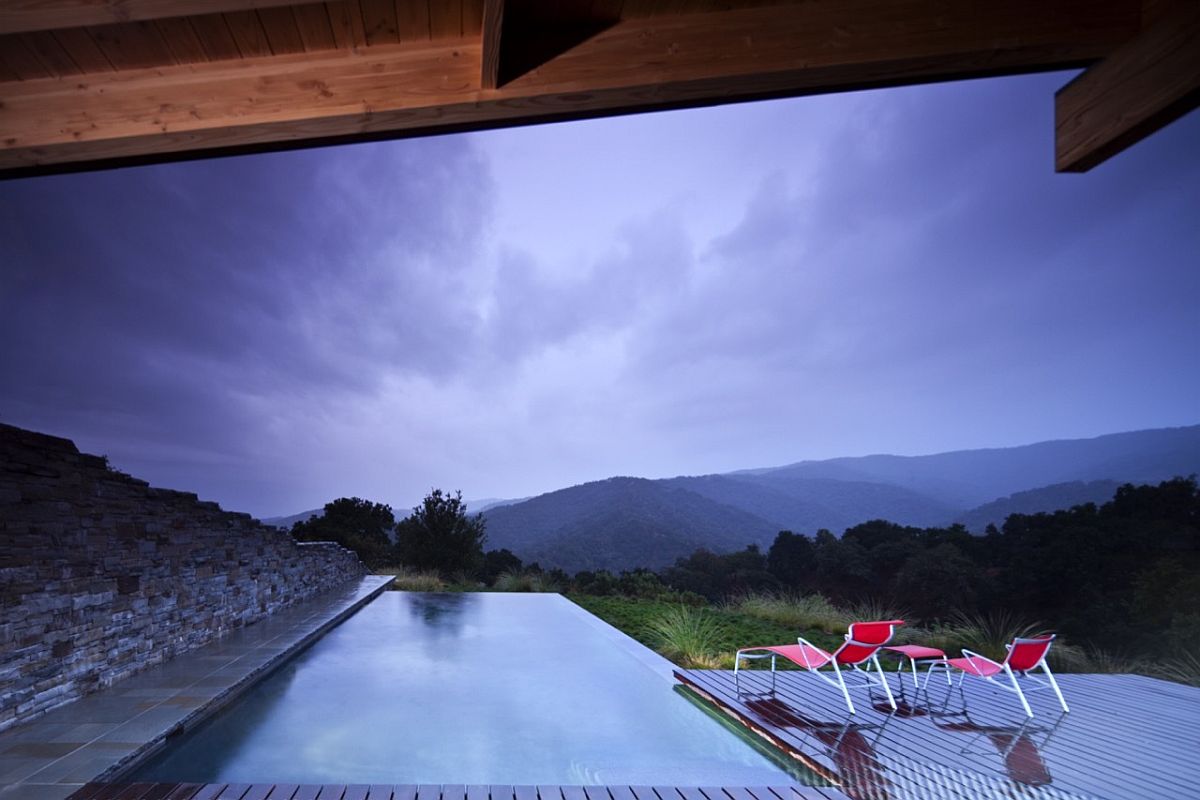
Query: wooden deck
x=1126, y=736
x=281, y=791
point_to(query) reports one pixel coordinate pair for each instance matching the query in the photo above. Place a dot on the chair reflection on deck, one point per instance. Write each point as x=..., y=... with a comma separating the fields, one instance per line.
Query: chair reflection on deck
x=1017, y=745
x=843, y=742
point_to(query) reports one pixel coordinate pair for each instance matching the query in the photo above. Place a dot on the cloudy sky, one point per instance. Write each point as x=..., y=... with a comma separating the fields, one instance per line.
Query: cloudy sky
x=515, y=311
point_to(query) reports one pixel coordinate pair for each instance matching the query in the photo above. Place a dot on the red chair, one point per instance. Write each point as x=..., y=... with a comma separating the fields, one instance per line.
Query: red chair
x=860, y=648
x=1024, y=656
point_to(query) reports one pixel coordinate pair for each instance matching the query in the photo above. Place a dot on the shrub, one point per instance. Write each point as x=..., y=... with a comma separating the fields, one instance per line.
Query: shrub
x=798, y=611
x=412, y=581
x=984, y=633
x=526, y=581
x=1184, y=668
x=689, y=636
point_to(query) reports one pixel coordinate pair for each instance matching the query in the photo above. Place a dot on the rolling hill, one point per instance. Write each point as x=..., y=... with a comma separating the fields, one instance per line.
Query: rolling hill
x=1047, y=498
x=627, y=522
x=621, y=523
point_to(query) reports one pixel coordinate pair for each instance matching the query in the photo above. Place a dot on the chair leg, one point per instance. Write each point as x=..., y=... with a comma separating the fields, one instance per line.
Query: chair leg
x=1017, y=688
x=1054, y=685
x=772, y=674
x=842, y=683
x=737, y=663
x=883, y=680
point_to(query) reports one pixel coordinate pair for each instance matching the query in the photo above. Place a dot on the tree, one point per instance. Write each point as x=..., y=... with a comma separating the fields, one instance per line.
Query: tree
x=717, y=576
x=357, y=524
x=497, y=562
x=790, y=559
x=439, y=535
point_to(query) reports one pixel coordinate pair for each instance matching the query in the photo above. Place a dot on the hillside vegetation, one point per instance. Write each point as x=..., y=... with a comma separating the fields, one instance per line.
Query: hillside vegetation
x=624, y=523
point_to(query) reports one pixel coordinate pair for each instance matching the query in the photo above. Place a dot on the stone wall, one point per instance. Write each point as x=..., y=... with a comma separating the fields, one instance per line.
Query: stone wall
x=102, y=575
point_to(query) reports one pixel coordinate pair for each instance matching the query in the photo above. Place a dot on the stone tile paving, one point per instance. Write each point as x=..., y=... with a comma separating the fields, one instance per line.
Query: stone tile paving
x=101, y=735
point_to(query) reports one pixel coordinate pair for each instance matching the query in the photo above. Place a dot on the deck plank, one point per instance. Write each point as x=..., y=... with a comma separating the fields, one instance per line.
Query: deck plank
x=525, y=792
x=283, y=791
x=483, y=793
x=404, y=791
x=307, y=791
x=356, y=791
x=1123, y=731
x=454, y=791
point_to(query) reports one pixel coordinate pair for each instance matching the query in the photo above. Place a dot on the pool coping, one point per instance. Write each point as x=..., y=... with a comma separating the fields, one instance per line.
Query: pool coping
x=102, y=736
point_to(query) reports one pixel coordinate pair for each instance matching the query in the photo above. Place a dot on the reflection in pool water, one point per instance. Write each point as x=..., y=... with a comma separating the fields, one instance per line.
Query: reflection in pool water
x=465, y=688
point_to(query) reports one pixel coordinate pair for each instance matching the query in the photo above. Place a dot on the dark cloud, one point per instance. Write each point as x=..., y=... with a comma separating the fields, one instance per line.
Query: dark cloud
x=162, y=309
x=934, y=259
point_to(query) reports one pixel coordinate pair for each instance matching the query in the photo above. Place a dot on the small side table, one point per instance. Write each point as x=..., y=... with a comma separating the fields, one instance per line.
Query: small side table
x=916, y=653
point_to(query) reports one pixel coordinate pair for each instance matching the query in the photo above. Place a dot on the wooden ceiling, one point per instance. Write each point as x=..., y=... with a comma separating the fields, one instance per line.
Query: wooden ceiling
x=93, y=83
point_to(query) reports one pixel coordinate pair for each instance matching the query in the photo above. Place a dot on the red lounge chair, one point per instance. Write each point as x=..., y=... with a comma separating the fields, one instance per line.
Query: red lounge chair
x=1024, y=655
x=861, y=647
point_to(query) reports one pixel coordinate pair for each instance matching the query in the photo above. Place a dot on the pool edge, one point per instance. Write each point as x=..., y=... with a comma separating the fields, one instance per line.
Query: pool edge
x=198, y=716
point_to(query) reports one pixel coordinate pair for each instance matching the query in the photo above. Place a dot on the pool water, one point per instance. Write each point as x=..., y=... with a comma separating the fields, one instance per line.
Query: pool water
x=480, y=688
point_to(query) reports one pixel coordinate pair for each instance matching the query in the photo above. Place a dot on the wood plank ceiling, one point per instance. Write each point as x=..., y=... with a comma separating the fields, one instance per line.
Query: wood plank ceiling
x=95, y=83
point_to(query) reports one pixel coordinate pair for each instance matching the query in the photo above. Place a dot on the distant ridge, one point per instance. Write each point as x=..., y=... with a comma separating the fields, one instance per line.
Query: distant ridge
x=288, y=522
x=1048, y=498
x=968, y=478
x=627, y=522
x=620, y=523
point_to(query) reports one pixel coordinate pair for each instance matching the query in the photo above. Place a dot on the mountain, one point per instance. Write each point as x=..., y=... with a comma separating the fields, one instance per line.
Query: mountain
x=968, y=478
x=488, y=503
x=1047, y=498
x=621, y=523
x=627, y=522
x=288, y=522
x=809, y=504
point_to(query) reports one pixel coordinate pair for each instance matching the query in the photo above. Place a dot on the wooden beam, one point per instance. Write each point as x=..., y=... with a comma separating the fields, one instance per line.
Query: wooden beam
x=20, y=16
x=1141, y=86
x=637, y=64
x=493, y=24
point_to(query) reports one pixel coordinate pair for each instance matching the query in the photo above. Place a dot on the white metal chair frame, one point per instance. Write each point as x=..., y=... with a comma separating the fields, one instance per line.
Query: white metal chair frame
x=1015, y=688
x=868, y=680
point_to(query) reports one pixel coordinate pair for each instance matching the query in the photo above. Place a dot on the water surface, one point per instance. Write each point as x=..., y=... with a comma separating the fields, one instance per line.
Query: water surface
x=466, y=688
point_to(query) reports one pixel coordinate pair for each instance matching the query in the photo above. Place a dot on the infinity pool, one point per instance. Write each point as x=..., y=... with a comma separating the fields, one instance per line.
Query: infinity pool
x=466, y=689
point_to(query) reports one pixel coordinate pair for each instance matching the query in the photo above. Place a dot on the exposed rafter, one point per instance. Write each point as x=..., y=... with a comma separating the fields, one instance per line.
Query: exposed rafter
x=493, y=27
x=525, y=61
x=1141, y=86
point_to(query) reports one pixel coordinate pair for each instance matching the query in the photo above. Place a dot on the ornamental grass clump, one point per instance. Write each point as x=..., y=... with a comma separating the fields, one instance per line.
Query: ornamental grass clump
x=1184, y=668
x=802, y=612
x=691, y=637
x=525, y=582
x=986, y=634
x=408, y=580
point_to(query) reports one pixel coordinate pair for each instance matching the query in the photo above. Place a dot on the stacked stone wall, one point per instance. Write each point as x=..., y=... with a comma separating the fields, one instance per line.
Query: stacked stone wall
x=102, y=575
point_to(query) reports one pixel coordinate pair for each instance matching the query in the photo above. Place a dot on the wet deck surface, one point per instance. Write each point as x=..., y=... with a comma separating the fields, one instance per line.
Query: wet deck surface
x=57, y=753
x=1126, y=736
x=282, y=791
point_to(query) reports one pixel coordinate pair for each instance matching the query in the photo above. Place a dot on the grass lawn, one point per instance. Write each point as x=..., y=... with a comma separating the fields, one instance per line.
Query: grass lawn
x=656, y=624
